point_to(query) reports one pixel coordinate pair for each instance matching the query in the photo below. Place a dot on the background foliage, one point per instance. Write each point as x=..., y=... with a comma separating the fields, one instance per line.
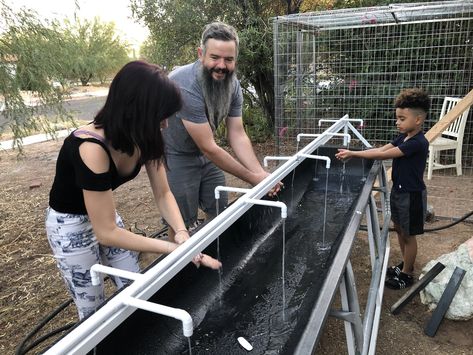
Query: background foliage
x=44, y=52
x=176, y=26
x=37, y=55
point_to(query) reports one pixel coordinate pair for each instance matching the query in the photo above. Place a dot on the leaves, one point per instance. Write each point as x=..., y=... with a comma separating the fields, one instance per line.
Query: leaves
x=92, y=50
x=36, y=53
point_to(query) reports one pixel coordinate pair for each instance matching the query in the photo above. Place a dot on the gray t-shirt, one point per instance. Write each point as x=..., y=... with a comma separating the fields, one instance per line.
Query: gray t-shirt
x=178, y=141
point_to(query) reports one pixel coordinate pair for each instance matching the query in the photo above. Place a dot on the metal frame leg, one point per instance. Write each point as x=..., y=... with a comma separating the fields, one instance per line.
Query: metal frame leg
x=350, y=312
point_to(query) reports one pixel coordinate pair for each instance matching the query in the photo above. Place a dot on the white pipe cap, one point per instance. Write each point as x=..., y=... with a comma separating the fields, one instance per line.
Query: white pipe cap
x=244, y=343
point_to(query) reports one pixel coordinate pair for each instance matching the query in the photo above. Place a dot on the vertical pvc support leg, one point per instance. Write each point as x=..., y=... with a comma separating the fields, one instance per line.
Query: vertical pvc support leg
x=345, y=131
x=375, y=224
x=383, y=184
x=349, y=300
x=371, y=239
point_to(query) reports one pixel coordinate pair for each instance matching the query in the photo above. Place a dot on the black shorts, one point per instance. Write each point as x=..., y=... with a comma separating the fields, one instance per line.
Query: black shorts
x=409, y=210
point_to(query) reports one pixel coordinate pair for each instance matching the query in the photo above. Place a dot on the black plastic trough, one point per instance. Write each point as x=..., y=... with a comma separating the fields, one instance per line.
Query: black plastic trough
x=247, y=298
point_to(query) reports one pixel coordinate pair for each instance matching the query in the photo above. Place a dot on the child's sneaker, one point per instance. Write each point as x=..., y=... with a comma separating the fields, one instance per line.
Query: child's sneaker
x=395, y=270
x=400, y=282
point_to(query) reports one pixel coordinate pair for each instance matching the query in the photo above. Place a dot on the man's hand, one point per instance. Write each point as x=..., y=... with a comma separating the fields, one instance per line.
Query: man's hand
x=181, y=236
x=276, y=188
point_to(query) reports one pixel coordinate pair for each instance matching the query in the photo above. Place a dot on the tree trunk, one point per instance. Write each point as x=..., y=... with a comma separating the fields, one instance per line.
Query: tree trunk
x=85, y=80
x=264, y=87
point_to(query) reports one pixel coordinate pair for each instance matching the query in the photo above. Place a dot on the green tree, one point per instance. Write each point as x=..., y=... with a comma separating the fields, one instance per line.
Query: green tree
x=34, y=53
x=27, y=62
x=175, y=27
x=92, y=49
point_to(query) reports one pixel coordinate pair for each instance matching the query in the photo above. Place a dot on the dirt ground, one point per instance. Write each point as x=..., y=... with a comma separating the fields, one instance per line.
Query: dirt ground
x=31, y=288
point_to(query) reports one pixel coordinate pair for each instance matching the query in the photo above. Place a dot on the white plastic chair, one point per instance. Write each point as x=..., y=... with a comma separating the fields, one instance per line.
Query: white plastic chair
x=451, y=138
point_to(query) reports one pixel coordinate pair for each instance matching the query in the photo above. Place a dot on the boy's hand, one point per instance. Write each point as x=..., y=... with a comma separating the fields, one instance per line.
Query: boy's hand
x=343, y=154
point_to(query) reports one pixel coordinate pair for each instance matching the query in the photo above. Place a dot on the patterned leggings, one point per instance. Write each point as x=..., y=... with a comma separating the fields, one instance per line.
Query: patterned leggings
x=76, y=249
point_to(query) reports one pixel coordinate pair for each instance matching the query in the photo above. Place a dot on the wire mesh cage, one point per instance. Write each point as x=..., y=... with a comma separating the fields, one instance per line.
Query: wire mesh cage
x=355, y=61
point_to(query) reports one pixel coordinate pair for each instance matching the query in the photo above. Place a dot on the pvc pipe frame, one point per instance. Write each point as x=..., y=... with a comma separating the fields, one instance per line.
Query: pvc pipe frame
x=346, y=135
x=176, y=313
x=370, y=324
x=270, y=157
x=230, y=189
x=279, y=204
x=318, y=157
x=92, y=330
x=96, y=269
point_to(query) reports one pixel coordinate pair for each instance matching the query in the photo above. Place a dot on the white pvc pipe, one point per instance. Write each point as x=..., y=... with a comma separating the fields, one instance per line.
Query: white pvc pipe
x=379, y=301
x=320, y=157
x=270, y=157
x=346, y=135
x=176, y=313
x=344, y=118
x=230, y=189
x=314, y=135
x=96, y=269
x=279, y=204
x=90, y=332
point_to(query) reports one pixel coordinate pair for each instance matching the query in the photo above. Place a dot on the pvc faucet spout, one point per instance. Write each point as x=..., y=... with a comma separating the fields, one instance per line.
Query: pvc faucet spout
x=97, y=269
x=269, y=157
x=176, y=313
x=345, y=135
x=279, y=204
x=344, y=118
x=230, y=189
x=311, y=135
x=320, y=157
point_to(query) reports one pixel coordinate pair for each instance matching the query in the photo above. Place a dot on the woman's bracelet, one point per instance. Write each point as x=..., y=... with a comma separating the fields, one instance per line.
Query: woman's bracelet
x=182, y=230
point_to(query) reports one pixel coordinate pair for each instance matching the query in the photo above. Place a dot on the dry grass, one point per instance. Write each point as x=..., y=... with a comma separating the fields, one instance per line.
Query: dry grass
x=31, y=287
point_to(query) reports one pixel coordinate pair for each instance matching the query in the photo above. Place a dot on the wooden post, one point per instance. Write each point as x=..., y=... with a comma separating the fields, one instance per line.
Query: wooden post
x=449, y=117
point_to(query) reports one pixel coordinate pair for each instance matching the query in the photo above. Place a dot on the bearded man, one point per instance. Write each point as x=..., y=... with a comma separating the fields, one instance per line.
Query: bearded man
x=211, y=94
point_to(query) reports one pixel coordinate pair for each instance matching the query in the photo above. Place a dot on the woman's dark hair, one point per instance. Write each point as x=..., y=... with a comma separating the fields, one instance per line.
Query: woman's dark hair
x=139, y=98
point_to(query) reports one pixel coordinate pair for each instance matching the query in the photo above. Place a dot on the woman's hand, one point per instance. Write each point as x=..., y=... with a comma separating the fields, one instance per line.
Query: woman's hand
x=200, y=259
x=207, y=261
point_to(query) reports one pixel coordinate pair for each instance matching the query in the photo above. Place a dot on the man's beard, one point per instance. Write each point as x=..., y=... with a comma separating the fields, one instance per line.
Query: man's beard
x=217, y=94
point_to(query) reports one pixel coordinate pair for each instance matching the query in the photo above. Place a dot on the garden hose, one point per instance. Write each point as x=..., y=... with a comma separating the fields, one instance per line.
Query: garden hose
x=461, y=219
x=23, y=348
x=450, y=224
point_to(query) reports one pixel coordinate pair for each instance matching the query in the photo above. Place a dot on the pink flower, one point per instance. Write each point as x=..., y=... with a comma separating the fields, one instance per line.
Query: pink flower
x=282, y=131
x=352, y=85
x=368, y=18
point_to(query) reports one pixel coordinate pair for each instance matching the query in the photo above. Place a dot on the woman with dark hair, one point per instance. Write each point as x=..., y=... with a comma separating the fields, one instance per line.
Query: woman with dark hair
x=82, y=225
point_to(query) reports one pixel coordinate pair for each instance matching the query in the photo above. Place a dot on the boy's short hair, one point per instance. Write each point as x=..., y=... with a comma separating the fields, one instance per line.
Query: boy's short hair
x=413, y=98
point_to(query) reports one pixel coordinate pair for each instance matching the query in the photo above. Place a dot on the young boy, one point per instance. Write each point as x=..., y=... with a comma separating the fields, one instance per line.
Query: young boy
x=408, y=194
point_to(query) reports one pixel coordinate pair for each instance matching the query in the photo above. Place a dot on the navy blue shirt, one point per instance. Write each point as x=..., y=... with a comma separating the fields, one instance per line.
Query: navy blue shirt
x=408, y=170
